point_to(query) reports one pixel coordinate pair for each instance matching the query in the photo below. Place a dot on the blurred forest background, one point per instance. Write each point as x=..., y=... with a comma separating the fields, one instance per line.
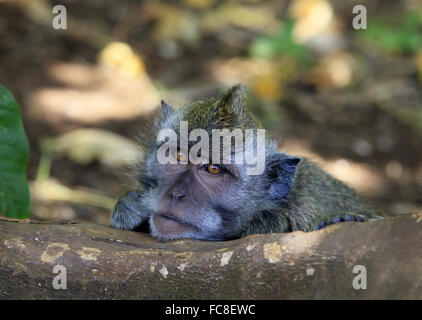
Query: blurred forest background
x=349, y=99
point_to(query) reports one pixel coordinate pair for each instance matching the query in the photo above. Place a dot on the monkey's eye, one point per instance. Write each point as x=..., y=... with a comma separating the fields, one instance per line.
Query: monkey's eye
x=212, y=168
x=180, y=156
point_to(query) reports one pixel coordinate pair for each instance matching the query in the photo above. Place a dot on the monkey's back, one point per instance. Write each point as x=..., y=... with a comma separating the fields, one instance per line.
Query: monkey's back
x=317, y=197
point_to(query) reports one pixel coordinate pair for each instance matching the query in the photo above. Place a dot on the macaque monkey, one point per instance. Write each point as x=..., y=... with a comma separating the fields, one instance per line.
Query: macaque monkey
x=222, y=199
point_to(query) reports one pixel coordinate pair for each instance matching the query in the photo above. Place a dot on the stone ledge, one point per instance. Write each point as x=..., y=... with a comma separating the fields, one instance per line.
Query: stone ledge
x=104, y=263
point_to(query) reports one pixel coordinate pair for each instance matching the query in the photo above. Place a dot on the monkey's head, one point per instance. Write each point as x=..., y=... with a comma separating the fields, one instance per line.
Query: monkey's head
x=195, y=186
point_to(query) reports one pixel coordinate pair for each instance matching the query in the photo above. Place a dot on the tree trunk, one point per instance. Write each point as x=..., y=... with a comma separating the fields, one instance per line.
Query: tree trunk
x=104, y=263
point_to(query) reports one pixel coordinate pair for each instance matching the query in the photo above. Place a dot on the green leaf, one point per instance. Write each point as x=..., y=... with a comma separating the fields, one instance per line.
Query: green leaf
x=14, y=191
x=280, y=44
x=403, y=36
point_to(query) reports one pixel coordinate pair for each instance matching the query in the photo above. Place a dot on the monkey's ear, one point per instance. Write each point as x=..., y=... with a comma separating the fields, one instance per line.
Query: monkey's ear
x=166, y=109
x=234, y=98
x=229, y=111
x=280, y=172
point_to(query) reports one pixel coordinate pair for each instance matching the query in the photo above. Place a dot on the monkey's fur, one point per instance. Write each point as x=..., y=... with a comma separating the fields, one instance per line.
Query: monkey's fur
x=174, y=202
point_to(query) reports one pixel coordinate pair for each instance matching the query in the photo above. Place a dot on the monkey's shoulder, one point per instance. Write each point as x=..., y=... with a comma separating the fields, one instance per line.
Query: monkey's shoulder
x=316, y=191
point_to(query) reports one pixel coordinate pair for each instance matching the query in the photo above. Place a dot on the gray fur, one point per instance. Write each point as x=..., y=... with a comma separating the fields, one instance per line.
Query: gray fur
x=251, y=204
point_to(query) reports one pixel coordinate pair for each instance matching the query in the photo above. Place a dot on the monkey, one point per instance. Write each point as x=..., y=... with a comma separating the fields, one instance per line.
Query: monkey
x=216, y=201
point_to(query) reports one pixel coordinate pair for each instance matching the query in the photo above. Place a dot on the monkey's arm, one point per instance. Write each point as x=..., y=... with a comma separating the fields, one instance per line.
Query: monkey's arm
x=344, y=218
x=130, y=212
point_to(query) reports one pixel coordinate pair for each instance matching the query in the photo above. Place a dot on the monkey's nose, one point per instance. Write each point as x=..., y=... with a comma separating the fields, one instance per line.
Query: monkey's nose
x=178, y=194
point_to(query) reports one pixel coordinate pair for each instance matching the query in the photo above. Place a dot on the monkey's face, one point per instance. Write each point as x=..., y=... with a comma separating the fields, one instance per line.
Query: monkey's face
x=194, y=201
x=216, y=201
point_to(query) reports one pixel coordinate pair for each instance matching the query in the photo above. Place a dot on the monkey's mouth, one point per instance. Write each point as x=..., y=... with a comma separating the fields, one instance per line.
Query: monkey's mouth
x=166, y=216
x=170, y=224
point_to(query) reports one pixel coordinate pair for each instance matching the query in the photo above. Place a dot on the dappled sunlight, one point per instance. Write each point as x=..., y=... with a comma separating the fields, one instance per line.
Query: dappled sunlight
x=313, y=17
x=335, y=70
x=266, y=78
x=361, y=176
x=52, y=200
x=85, y=146
x=349, y=99
x=93, y=94
x=120, y=56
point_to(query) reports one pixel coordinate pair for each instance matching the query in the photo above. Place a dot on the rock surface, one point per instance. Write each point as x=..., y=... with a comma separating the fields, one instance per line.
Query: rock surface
x=104, y=263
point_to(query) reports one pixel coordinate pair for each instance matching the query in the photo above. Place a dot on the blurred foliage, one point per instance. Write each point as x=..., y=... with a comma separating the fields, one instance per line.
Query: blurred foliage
x=85, y=146
x=280, y=44
x=239, y=15
x=120, y=56
x=404, y=36
x=351, y=97
x=52, y=191
x=419, y=64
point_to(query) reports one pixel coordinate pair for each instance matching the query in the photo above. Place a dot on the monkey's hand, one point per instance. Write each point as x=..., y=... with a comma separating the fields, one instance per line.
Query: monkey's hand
x=345, y=218
x=130, y=213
